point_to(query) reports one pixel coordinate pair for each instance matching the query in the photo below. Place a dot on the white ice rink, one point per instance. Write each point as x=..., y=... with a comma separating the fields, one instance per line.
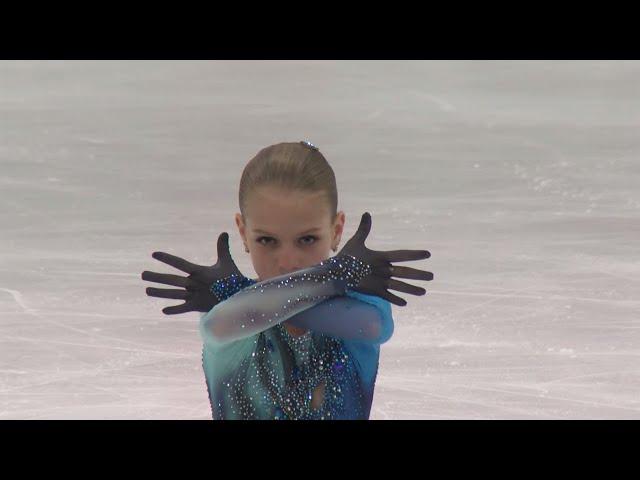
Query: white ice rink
x=521, y=178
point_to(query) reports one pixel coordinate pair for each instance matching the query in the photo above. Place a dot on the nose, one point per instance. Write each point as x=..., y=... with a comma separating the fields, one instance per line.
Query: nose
x=288, y=264
x=284, y=271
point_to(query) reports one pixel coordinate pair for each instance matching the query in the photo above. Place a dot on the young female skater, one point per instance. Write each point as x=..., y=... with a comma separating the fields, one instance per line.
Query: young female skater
x=302, y=341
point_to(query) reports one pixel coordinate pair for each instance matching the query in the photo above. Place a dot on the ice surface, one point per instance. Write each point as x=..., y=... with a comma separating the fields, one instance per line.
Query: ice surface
x=521, y=178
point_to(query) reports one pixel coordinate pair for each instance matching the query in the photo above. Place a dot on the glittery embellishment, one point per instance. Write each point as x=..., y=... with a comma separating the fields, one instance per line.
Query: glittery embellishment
x=230, y=285
x=309, y=144
x=345, y=268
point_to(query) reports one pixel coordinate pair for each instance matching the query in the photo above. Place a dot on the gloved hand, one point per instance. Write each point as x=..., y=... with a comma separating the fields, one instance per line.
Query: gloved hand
x=205, y=287
x=375, y=276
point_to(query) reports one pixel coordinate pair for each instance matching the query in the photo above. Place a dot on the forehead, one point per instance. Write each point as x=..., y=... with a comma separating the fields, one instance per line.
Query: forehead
x=280, y=211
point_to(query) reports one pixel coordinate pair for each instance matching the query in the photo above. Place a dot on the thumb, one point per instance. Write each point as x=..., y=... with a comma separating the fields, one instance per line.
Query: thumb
x=365, y=226
x=224, y=255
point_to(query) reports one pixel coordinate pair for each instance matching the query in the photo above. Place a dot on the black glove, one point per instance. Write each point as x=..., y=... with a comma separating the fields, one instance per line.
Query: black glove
x=205, y=287
x=375, y=277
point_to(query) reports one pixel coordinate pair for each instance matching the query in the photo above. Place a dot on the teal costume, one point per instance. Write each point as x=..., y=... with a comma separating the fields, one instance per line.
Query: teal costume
x=255, y=369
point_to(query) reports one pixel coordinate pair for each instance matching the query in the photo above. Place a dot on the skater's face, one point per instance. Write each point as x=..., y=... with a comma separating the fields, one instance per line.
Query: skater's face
x=288, y=230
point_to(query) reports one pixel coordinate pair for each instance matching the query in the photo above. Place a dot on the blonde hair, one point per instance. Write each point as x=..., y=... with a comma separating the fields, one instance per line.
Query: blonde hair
x=290, y=166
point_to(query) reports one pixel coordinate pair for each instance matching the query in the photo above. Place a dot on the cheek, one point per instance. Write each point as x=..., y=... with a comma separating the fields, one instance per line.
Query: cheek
x=261, y=265
x=259, y=257
x=323, y=244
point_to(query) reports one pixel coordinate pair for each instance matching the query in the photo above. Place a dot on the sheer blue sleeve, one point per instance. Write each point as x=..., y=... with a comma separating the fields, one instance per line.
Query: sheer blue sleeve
x=219, y=359
x=227, y=355
x=355, y=316
x=366, y=354
x=265, y=304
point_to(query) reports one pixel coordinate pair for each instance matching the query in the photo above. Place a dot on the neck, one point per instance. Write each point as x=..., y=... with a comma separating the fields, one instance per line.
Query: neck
x=294, y=331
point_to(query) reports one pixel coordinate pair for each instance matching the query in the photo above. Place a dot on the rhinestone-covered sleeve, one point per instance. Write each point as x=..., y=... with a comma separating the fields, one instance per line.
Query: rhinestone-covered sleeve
x=229, y=286
x=265, y=304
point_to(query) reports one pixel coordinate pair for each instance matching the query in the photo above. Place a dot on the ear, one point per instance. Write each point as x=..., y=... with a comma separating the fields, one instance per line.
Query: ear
x=241, y=226
x=338, y=227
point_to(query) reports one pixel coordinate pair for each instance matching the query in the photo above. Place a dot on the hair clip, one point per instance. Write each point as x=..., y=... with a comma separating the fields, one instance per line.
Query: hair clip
x=310, y=145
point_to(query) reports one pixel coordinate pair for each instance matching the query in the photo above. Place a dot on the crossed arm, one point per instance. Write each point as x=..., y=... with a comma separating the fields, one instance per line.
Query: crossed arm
x=309, y=299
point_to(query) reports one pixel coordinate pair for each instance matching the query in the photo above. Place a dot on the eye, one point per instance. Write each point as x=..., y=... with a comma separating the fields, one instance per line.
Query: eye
x=268, y=239
x=263, y=238
x=312, y=237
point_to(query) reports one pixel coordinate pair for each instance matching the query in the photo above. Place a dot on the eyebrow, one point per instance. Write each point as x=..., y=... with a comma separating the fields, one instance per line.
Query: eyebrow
x=257, y=230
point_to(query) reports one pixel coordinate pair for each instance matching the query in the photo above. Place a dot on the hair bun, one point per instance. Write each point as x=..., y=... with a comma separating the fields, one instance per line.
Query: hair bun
x=309, y=144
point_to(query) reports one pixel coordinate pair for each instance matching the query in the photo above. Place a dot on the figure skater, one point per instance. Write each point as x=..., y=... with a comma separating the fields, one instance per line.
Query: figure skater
x=302, y=341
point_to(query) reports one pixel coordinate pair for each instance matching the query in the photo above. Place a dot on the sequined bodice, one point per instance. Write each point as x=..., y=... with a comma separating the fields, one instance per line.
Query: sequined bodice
x=327, y=373
x=278, y=378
